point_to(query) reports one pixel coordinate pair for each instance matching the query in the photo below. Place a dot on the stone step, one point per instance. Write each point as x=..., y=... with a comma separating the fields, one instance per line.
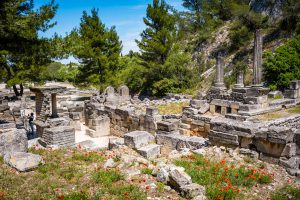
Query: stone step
x=150, y=151
x=138, y=139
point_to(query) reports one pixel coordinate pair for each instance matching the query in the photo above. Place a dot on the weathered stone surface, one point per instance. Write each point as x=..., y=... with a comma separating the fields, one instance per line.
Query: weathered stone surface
x=176, y=142
x=197, y=104
x=193, y=190
x=150, y=151
x=110, y=163
x=13, y=141
x=292, y=163
x=268, y=158
x=23, y=161
x=138, y=139
x=223, y=138
x=163, y=175
x=166, y=126
x=88, y=145
x=179, y=179
x=250, y=153
x=115, y=143
x=100, y=125
x=289, y=150
x=204, y=108
x=61, y=135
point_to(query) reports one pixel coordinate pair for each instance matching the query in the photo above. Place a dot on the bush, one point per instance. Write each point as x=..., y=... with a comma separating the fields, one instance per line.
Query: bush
x=284, y=65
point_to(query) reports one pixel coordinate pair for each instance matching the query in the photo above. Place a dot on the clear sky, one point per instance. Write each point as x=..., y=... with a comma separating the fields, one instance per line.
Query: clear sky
x=126, y=15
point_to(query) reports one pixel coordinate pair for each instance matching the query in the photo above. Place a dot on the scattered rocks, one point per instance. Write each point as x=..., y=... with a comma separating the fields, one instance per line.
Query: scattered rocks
x=13, y=141
x=193, y=190
x=179, y=179
x=110, y=163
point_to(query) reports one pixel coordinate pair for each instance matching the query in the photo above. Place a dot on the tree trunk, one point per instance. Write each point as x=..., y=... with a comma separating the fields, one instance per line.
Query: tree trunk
x=16, y=90
x=21, y=89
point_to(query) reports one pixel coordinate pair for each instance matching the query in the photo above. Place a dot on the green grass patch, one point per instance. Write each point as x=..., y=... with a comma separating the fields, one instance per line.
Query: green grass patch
x=172, y=108
x=107, y=177
x=286, y=193
x=1, y=160
x=89, y=157
x=295, y=110
x=146, y=171
x=122, y=192
x=221, y=179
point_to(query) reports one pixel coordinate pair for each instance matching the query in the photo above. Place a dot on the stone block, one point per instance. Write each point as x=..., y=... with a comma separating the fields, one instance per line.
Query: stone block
x=295, y=85
x=13, y=141
x=138, y=139
x=193, y=190
x=212, y=109
x=204, y=108
x=166, y=126
x=150, y=151
x=179, y=179
x=61, y=136
x=101, y=126
x=152, y=111
x=292, y=94
x=23, y=161
x=289, y=150
x=197, y=104
x=223, y=138
x=115, y=143
x=292, y=163
x=275, y=94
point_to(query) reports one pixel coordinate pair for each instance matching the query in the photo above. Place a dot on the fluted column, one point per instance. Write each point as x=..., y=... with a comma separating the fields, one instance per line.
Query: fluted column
x=257, y=59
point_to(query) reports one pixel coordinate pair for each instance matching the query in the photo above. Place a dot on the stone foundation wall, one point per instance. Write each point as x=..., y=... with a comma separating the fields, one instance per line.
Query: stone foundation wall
x=292, y=122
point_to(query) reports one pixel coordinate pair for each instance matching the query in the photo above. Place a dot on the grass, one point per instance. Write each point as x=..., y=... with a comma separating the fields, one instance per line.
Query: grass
x=286, y=193
x=222, y=180
x=295, y=110
x=146, y=171
x=67, y=174
x=172, y=108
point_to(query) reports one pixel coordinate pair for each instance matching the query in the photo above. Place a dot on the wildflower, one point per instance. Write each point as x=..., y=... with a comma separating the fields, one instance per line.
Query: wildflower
x=246, y=178
x=221, y=190
x=1, y=194
x=144, y=180
x=60, y=197
x=79, y=146
x=147, y=187
x=41, y=198
x=126, y=194
x=253, y=171
x=238, y=190
x=236, y=175
x=206, y=160
x=232, y=166
x=222, y=162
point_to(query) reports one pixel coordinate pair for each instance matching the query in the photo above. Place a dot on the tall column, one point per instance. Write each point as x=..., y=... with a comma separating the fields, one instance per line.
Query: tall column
x=54, y=106
x=240, y=80
x=257, y=59
x=219, y=81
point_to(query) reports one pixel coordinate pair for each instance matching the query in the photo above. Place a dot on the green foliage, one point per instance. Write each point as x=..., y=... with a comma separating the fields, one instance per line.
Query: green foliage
x=22, y=52
x=106, y=178
x=240, y=35
x=291, y=16
x=98, y=48
x=60, y=72
x=285, y=63
x=158, y=38
x=220, y=179
x=146, y=171
x=286, y=193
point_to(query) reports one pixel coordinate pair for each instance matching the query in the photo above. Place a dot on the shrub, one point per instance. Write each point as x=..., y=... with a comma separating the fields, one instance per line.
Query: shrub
x=284, y=65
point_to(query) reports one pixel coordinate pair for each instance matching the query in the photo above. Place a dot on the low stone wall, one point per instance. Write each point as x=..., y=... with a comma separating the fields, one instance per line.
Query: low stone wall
x=292, y=122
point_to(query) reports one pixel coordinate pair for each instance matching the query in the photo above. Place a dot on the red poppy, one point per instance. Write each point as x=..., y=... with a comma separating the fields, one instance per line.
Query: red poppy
x=222, y=162
x=1, y=194
x=125, y=194
x=147, y=187
x=144, y=180
x=60, y=197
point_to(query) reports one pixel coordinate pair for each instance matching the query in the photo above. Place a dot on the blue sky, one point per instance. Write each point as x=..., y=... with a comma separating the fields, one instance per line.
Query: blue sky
x=126, y=15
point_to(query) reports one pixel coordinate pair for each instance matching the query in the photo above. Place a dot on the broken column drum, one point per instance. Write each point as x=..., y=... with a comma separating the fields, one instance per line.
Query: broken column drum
x=257, y=59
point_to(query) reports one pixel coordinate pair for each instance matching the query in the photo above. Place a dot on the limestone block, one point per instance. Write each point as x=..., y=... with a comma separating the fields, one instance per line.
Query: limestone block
x=289, y=150
x=223, y=110
x=197, y=104
x=152, y=111
x=166, y=126
x=179, y=179
x=193, y=190
x=295, y=85
x=212, y=109
x=292, y=163
x=61, y=136
x=23, y=161
x=204, y=108
x=115, y=143
x=13, y=141
x=138, y=139
x=150, y=151
x=275, y=94
x=292, y=94
x=223, y=138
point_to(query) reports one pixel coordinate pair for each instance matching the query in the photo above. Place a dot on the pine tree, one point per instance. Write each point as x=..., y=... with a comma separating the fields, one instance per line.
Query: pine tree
x=22, y=52
x=98, y=49
x=158, y=37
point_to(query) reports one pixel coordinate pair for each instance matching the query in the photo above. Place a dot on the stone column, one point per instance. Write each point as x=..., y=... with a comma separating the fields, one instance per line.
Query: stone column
x=54, y=106
x=240, y=80
x=257, y=59
x=219, y=81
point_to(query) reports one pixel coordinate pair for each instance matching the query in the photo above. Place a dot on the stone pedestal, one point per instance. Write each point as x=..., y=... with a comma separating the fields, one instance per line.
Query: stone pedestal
x=219, y=81
x=240, y=80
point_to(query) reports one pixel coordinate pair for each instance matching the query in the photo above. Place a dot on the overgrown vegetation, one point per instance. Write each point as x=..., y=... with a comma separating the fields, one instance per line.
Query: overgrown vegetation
x=285, y=63
x=67, y=174
x=171, y=108
x=222, y=180
x=286, y=193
